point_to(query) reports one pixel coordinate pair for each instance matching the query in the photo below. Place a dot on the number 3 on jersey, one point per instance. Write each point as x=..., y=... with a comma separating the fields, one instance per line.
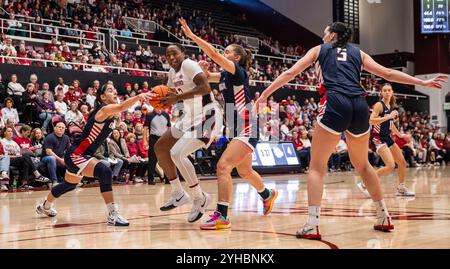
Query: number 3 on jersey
x=341, y=54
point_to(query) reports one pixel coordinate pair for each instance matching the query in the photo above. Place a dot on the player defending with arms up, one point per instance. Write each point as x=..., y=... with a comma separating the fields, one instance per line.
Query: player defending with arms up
x=238, y=154
x=345, y=110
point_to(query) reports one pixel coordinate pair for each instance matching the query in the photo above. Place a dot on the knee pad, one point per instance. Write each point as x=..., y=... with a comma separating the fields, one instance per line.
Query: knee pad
x=104, y=175
x=62, y=188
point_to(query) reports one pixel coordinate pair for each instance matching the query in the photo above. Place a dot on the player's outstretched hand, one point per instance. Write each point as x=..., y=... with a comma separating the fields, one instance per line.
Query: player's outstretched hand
x=436, y=82
x=145, y=97
x=185, y=27
x=259, y=104
x=170, y=99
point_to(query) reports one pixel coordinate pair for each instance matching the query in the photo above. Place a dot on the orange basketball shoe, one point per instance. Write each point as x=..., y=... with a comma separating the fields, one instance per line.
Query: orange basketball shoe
x=269, y=202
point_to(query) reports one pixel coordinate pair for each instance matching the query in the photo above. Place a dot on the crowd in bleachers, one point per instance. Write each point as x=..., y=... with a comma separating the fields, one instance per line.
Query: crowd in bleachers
x=31, y=110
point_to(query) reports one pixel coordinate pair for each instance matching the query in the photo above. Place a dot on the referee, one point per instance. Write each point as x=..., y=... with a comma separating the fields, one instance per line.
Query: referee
x=157, y=122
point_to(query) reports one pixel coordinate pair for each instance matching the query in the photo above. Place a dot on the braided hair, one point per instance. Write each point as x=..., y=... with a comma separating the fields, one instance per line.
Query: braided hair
x=344, y=34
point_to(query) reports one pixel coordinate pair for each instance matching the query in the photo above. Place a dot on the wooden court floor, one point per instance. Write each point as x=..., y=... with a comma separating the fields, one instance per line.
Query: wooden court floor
x=347, y=217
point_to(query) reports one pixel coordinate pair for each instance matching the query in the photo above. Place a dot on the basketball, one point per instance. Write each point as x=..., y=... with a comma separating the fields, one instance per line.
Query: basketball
x=162, y=91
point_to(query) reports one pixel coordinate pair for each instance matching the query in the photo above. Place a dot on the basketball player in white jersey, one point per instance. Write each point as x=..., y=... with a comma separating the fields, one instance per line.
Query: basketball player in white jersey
x=193, y=130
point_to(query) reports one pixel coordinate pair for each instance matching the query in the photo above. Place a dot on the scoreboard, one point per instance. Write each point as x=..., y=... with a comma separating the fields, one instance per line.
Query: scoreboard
x=435, y=16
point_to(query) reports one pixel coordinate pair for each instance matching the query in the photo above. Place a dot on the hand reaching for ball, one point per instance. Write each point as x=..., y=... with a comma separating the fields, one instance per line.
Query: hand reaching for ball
x=170, y=99
x=148, y=96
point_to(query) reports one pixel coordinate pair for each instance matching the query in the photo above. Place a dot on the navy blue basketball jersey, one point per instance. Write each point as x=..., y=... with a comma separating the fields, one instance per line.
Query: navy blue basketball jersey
x=383, y=129
x=341, y=69
x=235, y=90
x=93, y=135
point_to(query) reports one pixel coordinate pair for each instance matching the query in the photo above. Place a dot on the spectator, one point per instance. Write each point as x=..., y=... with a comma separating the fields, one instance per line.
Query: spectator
x=103, y=154
x=339, y=156
x=15, y=90
x=126, y=32
x=4, y=169
x=29, y=100
x=90, y=97
x=46, y=110
x=33, y=80
x=55, y=145
x=138, y=117
x=118, y=149
x=61, y=87
x=8, y=112
x=447, y=148
x=74, y=115
x=46, y=89
x=22, y=162
x=24, y=141
x=304, y=153
x=408, y=150
x=37, y=141
x=134, y=153
x=72, y=95
x=61, y=106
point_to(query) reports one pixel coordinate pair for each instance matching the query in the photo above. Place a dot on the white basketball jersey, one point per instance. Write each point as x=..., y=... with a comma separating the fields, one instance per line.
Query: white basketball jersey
x=183, y=81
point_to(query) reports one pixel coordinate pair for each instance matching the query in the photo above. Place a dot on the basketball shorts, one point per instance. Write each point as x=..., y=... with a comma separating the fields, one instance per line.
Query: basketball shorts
x=381, y=141
x=75, y=164
x=339, y=113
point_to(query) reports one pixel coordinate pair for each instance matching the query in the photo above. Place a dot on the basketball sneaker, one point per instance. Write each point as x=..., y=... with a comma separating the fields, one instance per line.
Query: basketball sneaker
x=40, y=210
x=309, y=232
x=199, y=208
x=384, y=224
x=269, y=202
x=42, y=179
x=363, y=189
x=115, y=219
x=217, y=222
x=176, y=199
x=403, y=191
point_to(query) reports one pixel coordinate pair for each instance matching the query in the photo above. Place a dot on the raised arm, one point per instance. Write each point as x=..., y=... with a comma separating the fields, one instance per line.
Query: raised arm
x=109, y=110
x=288, y=75
x=212, y=53
x=392, y=75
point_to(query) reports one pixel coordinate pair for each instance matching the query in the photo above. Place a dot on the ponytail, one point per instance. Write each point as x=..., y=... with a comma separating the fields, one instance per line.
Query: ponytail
x=344, y=34
x=246, y=55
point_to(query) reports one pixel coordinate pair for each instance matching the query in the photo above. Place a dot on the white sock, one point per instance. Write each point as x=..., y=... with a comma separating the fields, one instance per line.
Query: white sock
x=197, y=192
x=176, y=185
x=47, y=205
x=112, y=207
x=401, y=185
x=381, y=209
x=223, y=203
x=313, y=215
